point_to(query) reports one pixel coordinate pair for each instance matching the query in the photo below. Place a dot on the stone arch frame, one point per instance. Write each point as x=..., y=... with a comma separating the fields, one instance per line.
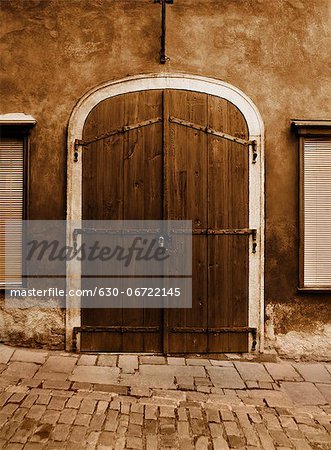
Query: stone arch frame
x=256, y=179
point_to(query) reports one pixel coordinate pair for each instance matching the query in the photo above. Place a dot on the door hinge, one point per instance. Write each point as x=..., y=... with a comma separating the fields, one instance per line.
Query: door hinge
x=254, y=151
x=78, y=143
x=254, y=239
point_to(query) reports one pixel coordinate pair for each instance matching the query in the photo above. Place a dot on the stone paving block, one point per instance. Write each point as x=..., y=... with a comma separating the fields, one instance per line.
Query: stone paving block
x=315, y=373
x=202, y=443
x=19, y=414
x=43, y=374
x=81, y=386
x=134, y=430
x=102, y=406
x=183, y=429
x=134, y=442
x=87, y=360
x=61, y=432
x=175, y=361
x=280, y=438
x=152, y=359
x=5, y=353
x=225, y=377
x=167, y=411
x=222, y=363
x=304, y=393
x=97, y=421
x=43, y=399
x=250, y=371
x=83, y=419
x=182, y=371
x=50, y=416
x=57, y=403
x=197, y=362
x=56, y=384
x=17, y=398
x=107, y=439
x=77, y=434
x=95, y=374
x=252, y=384
x=140, y=391
x=273, y=398
x=112, y=420
x=107, y=360
x=282, y=371
x=68, y=416
x=60, y=364
x=26, y=355
x=9, y=409
x=265, y=385
x=33, y=382
x=33, y=446
x=87, y=406
x=74, y=402
x=36, y=411
x=21, y=369
x=112, y=388
x=128, y=363
x=149, y=381
x=151, y=442
x=216, y=429
x=325, y=390
x=220, y=444
x=301, y=444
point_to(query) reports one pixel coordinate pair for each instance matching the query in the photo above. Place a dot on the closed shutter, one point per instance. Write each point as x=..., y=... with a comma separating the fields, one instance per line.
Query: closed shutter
x=11, y=211
x=317, y=212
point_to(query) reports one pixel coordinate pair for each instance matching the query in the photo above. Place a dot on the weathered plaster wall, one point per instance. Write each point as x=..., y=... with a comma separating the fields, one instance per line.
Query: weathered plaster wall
x=276, y=51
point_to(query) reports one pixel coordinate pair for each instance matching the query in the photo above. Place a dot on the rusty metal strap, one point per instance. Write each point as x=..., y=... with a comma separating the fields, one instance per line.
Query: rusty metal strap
x=121, y=130
x=213, y=330
x=211, y=131
x=219, y=232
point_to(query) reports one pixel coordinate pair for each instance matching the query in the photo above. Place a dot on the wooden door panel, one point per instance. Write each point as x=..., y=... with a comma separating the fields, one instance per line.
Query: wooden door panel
x=122, y=179
x=207, y=182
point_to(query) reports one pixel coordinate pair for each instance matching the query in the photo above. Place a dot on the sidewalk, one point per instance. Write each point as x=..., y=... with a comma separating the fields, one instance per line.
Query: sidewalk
x=106, y=401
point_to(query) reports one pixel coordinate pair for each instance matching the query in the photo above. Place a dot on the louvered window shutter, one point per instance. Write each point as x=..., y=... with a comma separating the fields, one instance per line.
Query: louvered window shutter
x=317, y=212
x=11, y=211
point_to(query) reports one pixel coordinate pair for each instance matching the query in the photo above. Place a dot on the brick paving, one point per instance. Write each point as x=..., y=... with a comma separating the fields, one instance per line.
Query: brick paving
x=55, y=400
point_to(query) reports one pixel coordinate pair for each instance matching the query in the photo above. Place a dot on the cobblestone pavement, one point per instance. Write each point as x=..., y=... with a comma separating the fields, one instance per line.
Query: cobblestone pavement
x=57, y=400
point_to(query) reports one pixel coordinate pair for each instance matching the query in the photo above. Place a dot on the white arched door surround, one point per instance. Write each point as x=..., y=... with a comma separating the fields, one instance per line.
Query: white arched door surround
x=256, y=178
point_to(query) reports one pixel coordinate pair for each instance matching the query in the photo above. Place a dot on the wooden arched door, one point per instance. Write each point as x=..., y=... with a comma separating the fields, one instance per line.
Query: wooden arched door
x=184, y=155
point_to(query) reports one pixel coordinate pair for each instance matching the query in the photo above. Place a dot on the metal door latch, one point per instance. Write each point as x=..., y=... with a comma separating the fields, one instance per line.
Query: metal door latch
x=161, y=241
x=254, y=151
x=254, y=238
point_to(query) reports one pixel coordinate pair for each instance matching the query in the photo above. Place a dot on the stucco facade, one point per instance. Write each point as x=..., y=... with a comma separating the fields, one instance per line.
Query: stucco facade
x=276, y=52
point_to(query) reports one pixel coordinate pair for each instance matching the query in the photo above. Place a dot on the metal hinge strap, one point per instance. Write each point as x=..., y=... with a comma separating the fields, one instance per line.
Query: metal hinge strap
x=211, y=131
x=226, y=231
x=121, y=130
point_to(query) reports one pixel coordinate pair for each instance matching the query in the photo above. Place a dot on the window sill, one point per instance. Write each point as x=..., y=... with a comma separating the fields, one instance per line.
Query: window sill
x=314, y=290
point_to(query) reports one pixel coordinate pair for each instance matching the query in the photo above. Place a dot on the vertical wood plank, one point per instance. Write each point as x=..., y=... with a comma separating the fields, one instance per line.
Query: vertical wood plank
x=186, y=189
